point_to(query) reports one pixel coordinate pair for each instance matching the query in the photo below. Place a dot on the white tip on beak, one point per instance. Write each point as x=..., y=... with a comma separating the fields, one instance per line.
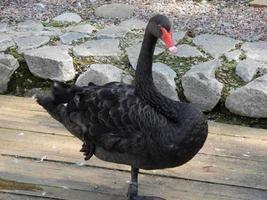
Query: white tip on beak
x=173, y=49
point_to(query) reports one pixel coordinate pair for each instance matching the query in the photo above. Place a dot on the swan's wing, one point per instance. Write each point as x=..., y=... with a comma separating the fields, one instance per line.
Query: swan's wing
x=116, y=119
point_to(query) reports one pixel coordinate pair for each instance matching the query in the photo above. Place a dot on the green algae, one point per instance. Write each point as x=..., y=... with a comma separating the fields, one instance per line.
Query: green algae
x=14, y=185
x=226, y=75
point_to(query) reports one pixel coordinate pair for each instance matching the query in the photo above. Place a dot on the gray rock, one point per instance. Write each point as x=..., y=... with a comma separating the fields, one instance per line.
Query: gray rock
x=101, y=74
x=215, y=45
x=187, y=51
x=5, y=41
x=163, y=77
x=233, y=55
x=256, y=50
x=247, y=69
x=8, y=65
x=30, y=42
x=112, y=32
x=51, y=32
x=50, y=62
x=70, y=37
x=107, y=47
x=68, y=17
x=200, y=86
x=81, y=28
x=3, y=27
x=36, y=91
x=40, y=6
x=134, y=50
x=249, y=100
x=30, y=25
x=263, y=69
x=131, y=24
x=178, y=36
x=115, y=11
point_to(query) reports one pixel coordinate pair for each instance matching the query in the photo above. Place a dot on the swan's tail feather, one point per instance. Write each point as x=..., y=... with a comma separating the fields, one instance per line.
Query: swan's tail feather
x=59, y=104
x=63, y=93
x=57, y=111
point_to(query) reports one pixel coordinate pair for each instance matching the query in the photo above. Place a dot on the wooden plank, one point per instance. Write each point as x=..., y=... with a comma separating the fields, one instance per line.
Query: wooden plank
x=28, y=120
x=205, y=167
x=10, y=196
x=32, y=121
x=217, y=145
x=55, y=193
x=237, y=131
x=115, y=182
x=22, y=103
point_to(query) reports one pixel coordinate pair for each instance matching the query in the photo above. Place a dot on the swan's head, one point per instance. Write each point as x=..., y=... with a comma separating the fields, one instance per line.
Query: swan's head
x=160, y=27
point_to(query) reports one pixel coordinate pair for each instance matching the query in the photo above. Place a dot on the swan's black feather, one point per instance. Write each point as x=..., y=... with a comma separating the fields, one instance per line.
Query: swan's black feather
x=116, y=119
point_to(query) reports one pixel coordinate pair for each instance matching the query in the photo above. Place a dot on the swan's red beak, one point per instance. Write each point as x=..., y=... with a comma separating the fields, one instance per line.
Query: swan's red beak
x=168, y=40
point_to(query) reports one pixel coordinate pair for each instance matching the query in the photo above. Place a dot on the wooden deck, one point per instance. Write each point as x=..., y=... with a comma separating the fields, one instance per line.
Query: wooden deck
x=41, y=160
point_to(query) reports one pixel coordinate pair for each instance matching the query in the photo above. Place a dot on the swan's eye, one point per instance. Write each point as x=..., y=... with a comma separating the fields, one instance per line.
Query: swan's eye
x=168, y=39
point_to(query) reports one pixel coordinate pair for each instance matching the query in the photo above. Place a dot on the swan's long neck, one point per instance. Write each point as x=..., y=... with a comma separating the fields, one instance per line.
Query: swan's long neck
x=145, y=88
x=143, y=74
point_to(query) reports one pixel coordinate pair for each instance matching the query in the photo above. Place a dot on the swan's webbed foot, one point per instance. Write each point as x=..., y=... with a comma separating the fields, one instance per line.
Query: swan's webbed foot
x=88, y=150
x=133, y=188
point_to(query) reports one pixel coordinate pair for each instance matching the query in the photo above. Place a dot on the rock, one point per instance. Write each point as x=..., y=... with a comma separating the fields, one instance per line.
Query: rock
x=5, y=41
x=101, y=74
x=50, y=62
x=115, y=11
x=132, y=23
x=247, y=69
x=8, y=65
x=178, y=36
x=163, y=77
x=70, y=37
x=107, y=47
x=40, y=6
x=258, y=3
x=263, y=69
x=134, y=50
x=3, y=27
x=249, y=100
x=81, y=28
x=51, y=32
x=68, y=17
x=30, y=42
x=256, y=50
x=215, y=45
x=187, y=51
x=200, y=86
x=36, y=91
x=30, y=25
x=233, y=55
x=112, y=32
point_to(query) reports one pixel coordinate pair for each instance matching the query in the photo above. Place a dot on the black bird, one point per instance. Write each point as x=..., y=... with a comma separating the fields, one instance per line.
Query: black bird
x=133, y=125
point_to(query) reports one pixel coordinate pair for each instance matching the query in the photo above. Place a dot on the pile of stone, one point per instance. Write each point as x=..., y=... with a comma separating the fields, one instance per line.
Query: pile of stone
x=79, y=39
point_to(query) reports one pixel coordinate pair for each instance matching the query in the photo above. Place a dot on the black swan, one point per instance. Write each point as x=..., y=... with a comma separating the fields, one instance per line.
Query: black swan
x=133, y=125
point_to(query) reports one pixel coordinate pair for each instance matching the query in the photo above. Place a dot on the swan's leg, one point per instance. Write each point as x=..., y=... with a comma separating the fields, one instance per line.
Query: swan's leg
x=133, y=188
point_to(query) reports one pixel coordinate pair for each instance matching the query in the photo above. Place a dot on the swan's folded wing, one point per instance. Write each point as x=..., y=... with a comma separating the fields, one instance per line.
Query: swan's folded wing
x=117, y=120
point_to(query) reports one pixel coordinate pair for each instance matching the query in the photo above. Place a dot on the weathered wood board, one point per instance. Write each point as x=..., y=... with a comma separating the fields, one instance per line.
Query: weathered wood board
x=232, y=164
